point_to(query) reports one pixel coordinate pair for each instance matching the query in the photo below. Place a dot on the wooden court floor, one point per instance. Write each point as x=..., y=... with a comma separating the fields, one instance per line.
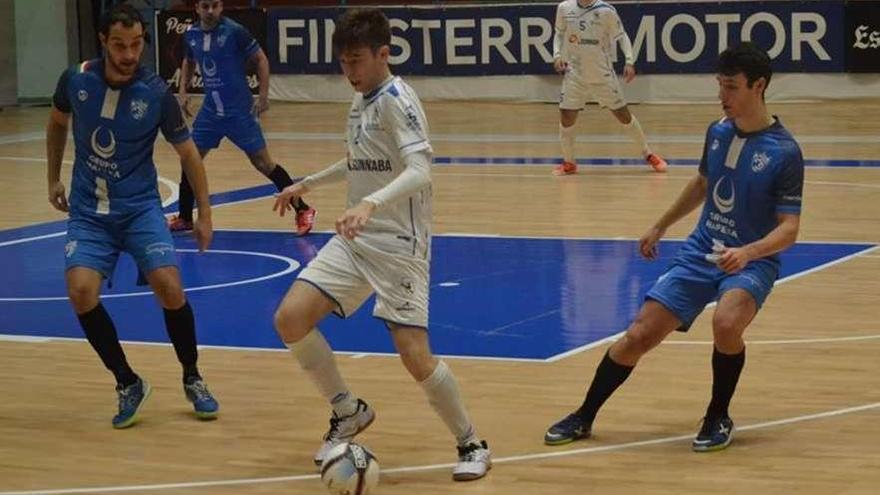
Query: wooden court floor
x=808, y=404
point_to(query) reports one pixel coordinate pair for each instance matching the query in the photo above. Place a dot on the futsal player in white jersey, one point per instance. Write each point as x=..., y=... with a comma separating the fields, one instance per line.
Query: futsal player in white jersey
x=383, y=245
x=586, y=37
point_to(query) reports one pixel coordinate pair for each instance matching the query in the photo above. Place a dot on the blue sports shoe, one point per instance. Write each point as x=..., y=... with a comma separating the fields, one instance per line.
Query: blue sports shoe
x=716, y=434
x=567, y=430
x=131, y=400
x=204, y=404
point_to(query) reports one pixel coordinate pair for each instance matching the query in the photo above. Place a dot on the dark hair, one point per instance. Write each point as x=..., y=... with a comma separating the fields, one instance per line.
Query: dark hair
x=748, y=59
x=356, y=28
x=124, y=13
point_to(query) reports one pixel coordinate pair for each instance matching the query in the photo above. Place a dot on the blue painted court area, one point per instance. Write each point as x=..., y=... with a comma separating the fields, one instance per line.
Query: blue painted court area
x=521, y=298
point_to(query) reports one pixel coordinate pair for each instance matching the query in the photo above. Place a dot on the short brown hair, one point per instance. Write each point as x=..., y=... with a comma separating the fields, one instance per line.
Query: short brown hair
x=363, y=27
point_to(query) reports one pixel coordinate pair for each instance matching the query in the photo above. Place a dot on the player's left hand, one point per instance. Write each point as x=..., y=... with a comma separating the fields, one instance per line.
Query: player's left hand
x=351, y=222
x=203, y=231
x=261, y=105
x=733, y=259
x=629, y=73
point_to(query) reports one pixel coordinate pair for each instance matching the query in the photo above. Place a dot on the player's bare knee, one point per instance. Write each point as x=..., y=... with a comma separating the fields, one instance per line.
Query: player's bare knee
x=290, y=324
x=171, y=295
x=83, y=297
x=640, y=338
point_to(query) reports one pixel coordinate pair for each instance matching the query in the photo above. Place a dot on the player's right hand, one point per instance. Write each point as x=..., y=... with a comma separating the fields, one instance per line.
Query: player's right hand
x=287, y=197
x=203, y=231
x=560, y=65
x=58, y=197
x=648, y=242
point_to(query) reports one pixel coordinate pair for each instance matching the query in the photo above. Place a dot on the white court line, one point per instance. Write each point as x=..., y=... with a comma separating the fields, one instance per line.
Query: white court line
x=826, y=340
x=168, y=182
x=292, y=266
x=591, y=345
x=435, y=467
x=353, y=354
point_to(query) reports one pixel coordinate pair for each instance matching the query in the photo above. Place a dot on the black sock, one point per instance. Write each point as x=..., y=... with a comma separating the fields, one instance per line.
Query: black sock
x=282, y=179
x=181, y=327
x=101, y=333
x=609, y=376
x=186, y=199
x=725, y=374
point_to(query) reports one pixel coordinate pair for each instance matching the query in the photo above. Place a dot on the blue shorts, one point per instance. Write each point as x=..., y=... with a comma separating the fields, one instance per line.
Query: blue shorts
x=686, y=290
x=244, y=131
x=95, y=242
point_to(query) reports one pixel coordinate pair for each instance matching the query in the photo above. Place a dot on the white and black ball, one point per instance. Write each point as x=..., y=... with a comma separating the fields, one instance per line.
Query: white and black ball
x=350, y=469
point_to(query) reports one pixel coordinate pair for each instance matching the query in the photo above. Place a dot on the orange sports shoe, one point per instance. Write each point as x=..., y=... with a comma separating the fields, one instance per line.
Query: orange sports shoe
x=656, y=162
x=305, y=220
x=565, y=168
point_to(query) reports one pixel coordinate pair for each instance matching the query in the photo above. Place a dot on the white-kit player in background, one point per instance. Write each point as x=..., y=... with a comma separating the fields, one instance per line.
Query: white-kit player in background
x=383, y=245
x=586, y=37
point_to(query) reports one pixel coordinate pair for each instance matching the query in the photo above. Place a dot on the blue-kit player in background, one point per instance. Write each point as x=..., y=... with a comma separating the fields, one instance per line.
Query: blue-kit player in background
x=750, y=183
x=223, y=49
x=118, y=108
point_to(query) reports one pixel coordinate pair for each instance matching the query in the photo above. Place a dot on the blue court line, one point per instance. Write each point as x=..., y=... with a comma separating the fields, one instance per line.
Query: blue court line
x=518, y=160
x=217, y=199
x=266, y=190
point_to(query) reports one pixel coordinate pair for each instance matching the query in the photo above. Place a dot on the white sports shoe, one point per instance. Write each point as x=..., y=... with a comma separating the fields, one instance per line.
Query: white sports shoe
x=474, y=461
x=345, y=428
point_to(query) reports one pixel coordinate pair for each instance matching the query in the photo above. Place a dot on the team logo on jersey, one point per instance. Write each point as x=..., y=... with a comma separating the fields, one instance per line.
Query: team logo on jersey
x=138, y=109
x=107, y=151
x=724, y=205
x=209, y=67
x=82, y=95
x=412, y=120
x=407, y=285
x=760, y=160
x=221, y=40
x=573, y=38
x=715, y=144
x=69, y=249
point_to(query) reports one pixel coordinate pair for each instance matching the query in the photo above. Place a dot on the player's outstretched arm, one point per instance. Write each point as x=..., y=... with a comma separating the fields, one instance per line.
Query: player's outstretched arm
x=56, y=141
x=692, y=196
x=262, y=62
x=186, y=72
x=191, y=162
x=290, y=194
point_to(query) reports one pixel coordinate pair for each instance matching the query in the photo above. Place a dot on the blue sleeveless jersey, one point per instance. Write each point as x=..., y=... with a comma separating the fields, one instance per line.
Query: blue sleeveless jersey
x=114, y=130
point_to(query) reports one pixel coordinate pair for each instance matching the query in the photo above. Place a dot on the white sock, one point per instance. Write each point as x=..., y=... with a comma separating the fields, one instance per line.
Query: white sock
x=566, y=139
x=442, y=391
x=634, y=131
x=316, y=358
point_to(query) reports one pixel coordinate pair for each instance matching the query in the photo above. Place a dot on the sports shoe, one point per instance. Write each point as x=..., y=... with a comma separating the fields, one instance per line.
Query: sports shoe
x=565, y=168
x=305, y=220
x=204, y=404
x=716, y=434
x=474, y=461
x=567, y=430
x=343, y=429
x=177, y=224
x=656, y=162
x=131, y=400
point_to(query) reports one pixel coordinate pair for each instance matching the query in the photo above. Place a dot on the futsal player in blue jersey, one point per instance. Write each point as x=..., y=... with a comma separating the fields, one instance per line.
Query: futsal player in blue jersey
x=749, y=183
x=223, y=49
x=118, y=108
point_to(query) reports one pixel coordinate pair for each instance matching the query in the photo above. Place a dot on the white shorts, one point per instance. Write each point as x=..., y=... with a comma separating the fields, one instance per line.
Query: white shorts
x=349, y=272
x=576, y=93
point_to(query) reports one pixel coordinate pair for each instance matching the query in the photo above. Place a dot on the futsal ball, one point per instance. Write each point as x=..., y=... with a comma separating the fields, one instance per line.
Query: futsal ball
x=350, y=469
